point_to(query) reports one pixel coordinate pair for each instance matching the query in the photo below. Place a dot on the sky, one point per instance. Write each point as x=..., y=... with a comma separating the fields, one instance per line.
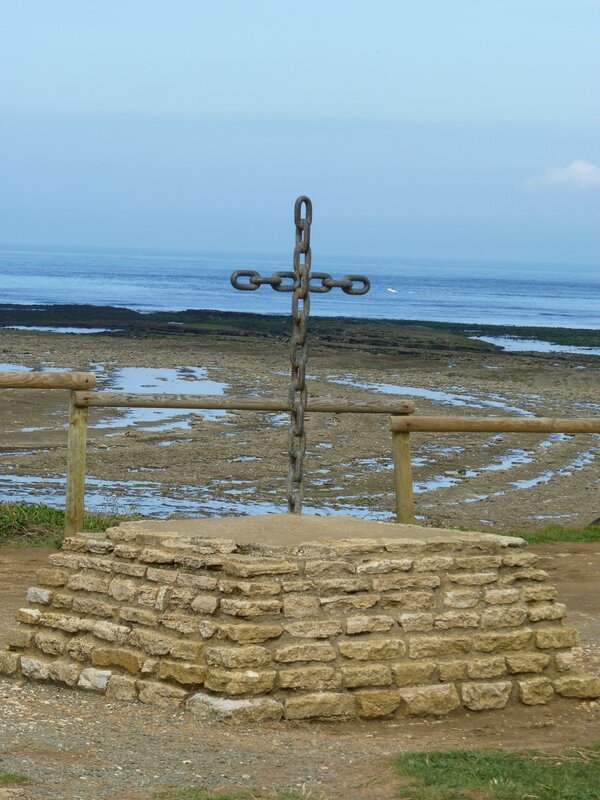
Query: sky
x=424, y=128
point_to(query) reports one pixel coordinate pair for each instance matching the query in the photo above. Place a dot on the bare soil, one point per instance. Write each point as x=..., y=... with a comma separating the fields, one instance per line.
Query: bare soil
x=75, y=746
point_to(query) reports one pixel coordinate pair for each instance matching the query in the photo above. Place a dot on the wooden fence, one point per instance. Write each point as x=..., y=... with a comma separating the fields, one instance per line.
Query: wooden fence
x=402, y=427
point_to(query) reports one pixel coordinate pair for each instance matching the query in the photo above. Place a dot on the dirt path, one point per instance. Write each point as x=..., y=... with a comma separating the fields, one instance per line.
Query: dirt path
x=77, y=747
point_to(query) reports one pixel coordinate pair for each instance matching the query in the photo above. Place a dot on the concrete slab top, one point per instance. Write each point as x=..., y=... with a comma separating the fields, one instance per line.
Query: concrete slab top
x=294, y=529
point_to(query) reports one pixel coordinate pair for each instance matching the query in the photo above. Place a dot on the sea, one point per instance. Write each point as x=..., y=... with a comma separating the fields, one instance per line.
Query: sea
x=447, y=290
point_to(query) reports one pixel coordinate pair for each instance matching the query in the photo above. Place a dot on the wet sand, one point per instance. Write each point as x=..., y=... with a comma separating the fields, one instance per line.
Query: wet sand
x=237, y=462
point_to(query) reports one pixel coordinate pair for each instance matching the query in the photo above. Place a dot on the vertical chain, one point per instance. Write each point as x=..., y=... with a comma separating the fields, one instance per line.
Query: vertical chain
x=299, y=353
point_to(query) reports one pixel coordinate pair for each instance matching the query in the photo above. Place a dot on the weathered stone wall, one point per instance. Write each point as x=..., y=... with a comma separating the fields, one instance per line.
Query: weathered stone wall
x=325, y=629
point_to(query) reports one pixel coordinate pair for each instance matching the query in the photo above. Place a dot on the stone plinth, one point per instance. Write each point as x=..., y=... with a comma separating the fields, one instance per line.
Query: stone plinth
x=275, y=617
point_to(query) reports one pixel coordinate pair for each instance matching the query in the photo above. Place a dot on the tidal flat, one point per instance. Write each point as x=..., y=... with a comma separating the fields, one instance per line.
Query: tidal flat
x=179, y=462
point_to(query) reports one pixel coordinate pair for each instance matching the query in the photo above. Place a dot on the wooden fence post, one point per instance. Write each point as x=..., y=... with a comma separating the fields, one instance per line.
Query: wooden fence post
x=405, y=511
x=76, y=467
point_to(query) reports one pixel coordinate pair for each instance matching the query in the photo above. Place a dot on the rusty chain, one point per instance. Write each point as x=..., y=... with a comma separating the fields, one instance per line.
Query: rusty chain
x=300, y=283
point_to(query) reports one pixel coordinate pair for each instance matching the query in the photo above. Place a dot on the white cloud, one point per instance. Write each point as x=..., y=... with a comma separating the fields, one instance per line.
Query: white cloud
x=579, y=173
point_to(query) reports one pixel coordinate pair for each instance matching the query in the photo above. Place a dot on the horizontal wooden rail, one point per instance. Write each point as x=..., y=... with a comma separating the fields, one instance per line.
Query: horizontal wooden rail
x=116, y=400
x=47, y=380
x=495, y=424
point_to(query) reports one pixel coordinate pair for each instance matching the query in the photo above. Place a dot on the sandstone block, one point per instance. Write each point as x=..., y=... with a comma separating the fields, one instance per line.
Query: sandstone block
x=309, y=678
x=491, y=667
x=433, y=563
x=504, y=617
x=187, y=674
x=64, y=672
x=28, y=616
x=9, y=662
x=121, y=688
x=35, y=668
x=91, y=605
x=368, y=624
x=372, y=649
x=460, y=598
x=479, y=563
x=74, y=543
x=430, y=700
x=219, y=709
x=182, y=623
x=126, y=551
x=186, y=650
x=473, y=578
x=205, y=604
x=236, y=682
x=547, y=638
x=305, y=651
x=20, y=637
x=411, y=673
x=80, y=647
x=250, y=608
x=52, y=577
x=298, y=585
x=449, y=671
x=249, y=566
x=535, y=691
x=204, y=583
x=366, y=675
x=237, y=657
x=344, y=602
x=111, y=632
x=67, y=623
x=301, y=605
x=122, y=589
x=329, y=567
x=564, y=660
x=426, y=646
x=141, y=616
x=320, y=705
x=160, y=694
x=348, y=547
x=35, y=594
x=134, y=570
x=95, y=680
x=62, y=600
x=411, y=601
x=152, y=556
x=502, y=640
x=527, y=662
x=247, y=633
x=250, y=588
x=182, y=597
x=326, y=586
x=50, y=642
x=523, y=575
x=99, y=546
x=482, y=696
x=385, y=565
x=582, y=686
x=67, y=560
x=392, y=582
x=518, y=559
x=314, y=629
x=547, y=611
x=164, y=576
x=537, y=593
x=156, y=644
x=416, y=621
x=502, y=597
x=88, y=582
x=371, y=703
x=127, y=659
x=456, y=619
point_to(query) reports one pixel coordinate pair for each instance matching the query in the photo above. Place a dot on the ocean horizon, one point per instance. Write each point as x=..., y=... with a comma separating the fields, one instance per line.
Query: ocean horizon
x=483, y=292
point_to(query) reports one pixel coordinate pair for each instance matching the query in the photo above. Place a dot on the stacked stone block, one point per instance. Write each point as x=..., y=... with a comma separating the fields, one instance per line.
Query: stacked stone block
x=332, y=629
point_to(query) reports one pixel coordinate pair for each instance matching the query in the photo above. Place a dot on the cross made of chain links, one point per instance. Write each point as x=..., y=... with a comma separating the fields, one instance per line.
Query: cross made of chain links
x=300, y=283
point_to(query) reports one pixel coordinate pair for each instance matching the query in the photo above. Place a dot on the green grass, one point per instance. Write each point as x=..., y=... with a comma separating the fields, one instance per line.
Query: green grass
x=559, y=533
x=32, y=525
x=12, y=779
x=498, y=775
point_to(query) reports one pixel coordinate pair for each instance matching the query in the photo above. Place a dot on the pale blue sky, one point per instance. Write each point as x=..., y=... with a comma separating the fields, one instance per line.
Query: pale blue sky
x=419, y=127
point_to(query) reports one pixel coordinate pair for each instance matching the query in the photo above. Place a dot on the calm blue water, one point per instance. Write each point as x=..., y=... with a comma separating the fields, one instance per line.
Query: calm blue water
x=454, y=291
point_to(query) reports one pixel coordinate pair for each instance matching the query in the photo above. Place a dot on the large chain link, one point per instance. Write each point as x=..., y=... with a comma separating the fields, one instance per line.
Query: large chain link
x=299, y=353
